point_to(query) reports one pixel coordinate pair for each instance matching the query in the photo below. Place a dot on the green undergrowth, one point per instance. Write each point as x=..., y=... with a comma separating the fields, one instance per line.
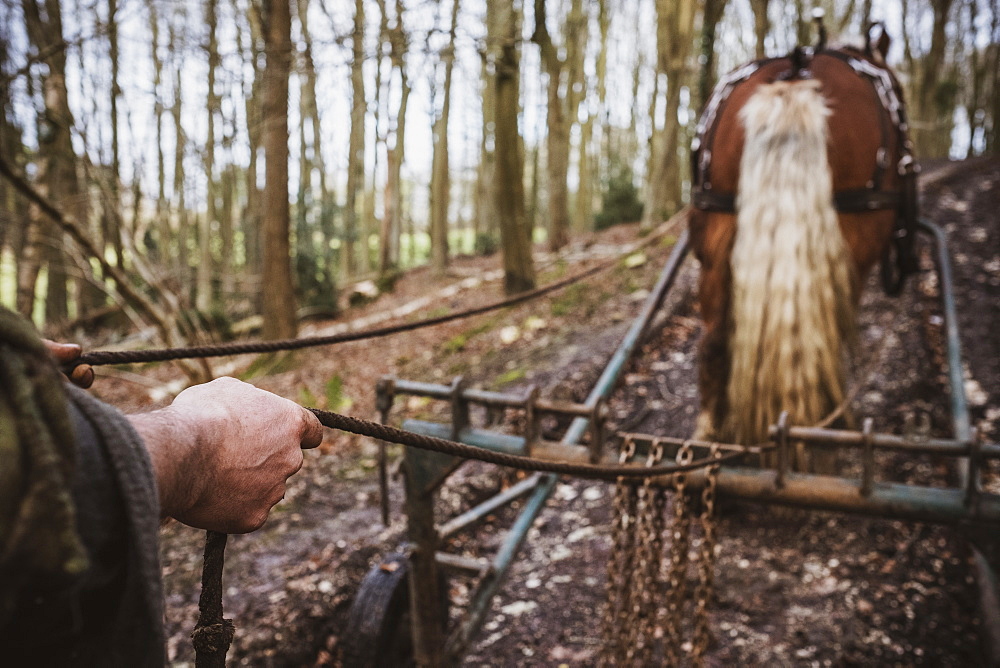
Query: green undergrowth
x=458, y=342
x=509, y=376
x=333, y=398
x=571, y=298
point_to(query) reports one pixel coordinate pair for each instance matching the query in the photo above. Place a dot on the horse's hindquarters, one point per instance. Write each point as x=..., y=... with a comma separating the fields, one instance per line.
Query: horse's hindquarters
x=792, y=298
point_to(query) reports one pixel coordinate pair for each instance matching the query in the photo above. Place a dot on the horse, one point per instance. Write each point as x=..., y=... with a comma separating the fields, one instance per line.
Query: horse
x=802, y=179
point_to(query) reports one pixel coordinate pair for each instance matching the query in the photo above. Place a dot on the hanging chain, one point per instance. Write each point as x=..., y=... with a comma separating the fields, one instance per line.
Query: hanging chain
x=680, y=534
x=646, y=579
x=706, y=565
x=619, y=565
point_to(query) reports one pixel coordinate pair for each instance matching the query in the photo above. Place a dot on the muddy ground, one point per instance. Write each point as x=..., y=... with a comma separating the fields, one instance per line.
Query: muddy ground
x=793, y=588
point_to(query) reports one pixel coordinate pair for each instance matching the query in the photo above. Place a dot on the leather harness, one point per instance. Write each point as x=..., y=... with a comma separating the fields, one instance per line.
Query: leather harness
x=873, y=197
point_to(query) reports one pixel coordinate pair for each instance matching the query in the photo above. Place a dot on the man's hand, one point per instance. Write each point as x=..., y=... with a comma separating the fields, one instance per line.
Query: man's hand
x=64, y=353
x=223, y=451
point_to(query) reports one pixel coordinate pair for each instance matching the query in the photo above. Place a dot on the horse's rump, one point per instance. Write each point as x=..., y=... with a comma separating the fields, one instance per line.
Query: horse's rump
x=781, y=274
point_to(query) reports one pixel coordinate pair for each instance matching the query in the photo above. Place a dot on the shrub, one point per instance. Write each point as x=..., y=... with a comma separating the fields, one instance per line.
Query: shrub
x=620, y=201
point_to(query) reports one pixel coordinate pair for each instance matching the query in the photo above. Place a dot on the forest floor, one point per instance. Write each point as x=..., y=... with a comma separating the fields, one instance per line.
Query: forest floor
x=792, y=587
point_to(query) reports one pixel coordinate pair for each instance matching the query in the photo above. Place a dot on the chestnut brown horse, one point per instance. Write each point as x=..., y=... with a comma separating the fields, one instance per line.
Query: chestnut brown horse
x=802, y=178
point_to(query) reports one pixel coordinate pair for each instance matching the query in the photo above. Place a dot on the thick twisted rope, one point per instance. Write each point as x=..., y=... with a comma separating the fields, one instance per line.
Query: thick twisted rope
x=592, y=471
x=97, y=358
x=219, y=350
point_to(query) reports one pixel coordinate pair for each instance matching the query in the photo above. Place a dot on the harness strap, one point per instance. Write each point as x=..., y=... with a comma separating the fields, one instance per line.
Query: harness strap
x=859, y=200
x=872, y=198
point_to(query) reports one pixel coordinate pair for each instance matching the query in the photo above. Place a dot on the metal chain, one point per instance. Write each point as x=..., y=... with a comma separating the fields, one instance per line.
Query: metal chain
x=706, y=566
x=646, y=577
x=680, y=539
x=619, y=565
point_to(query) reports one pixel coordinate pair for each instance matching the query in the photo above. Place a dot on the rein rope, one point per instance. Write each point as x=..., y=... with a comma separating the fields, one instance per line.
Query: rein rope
x=103, y=357
x=591, y=471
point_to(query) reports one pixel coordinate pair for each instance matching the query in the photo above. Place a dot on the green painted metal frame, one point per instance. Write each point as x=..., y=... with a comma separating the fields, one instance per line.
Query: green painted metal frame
x=989, y=596
x=425, y=475
x=968, y=506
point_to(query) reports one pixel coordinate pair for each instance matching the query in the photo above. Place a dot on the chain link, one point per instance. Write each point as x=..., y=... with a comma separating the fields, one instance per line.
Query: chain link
x=619, y=562
x=677, y=566
x=649, y=544
x=706, y=566
x=647, y=593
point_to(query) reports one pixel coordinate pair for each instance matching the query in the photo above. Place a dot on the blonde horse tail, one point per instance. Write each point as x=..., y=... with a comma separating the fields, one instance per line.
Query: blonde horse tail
x=792, y=311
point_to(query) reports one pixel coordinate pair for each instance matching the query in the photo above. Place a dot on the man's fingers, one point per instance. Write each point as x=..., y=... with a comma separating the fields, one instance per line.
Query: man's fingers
x=312, y=433
x=63, y=352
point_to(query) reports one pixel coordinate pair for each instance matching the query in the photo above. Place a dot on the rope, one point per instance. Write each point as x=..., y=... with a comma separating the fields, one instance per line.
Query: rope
x=102, y=357
x=593, y=471
x=213, y=634
x=99, y=357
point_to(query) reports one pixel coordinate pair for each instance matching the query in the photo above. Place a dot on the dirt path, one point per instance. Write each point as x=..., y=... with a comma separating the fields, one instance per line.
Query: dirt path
x=793, y=588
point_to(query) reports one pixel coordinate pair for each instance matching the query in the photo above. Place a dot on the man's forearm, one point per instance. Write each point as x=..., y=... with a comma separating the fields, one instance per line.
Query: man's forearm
x=172, y=443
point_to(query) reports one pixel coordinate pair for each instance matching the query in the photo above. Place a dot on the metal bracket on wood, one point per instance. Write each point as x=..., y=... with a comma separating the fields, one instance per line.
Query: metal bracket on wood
x=385, y=394
x=781, y=440
x=598, y=419
x=459, y=407
x=867, y=458
x=973, y=488
x=532, y=426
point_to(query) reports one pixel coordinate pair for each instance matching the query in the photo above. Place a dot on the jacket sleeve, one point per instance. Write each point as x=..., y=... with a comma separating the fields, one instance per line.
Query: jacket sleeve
x=112, y=614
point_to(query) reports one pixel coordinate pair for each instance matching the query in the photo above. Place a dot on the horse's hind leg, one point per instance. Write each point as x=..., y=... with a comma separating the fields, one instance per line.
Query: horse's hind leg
x=712, y=240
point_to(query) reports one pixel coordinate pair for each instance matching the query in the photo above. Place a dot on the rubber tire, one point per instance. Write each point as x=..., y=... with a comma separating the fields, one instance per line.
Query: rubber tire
x=377, y=633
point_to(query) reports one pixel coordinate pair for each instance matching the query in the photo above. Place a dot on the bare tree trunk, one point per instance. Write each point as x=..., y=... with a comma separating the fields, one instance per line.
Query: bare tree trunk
x=56, y=172
x=252, y=233
x=675, y=28
x=315, y=281
x=379, y=107
x=13, y=209
x=711, y=16
x=180, y=144
x=440, y=181
x=485, y=218
x=576, y=36
x=993, y=58
x=160, y=250
x=508, y=190
x=559, y=115
x=601, y=164
x=974, y=99
x=534, y=190
x=392, y=218
x=632, y=136
x=278, y=296
x=356, y=150
x=932, y=117
x=113, y=213
x=584, y=206
x=761, y=25
x=204, y=295
x=904, y=11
